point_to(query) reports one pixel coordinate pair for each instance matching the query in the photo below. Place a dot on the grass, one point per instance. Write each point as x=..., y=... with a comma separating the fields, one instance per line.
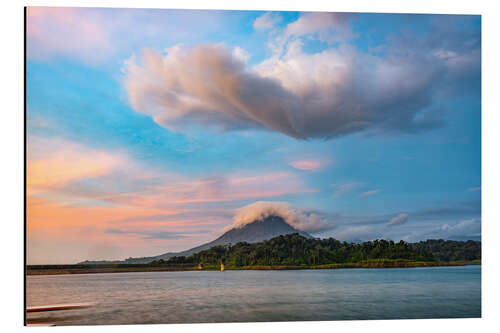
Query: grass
x=89, y=269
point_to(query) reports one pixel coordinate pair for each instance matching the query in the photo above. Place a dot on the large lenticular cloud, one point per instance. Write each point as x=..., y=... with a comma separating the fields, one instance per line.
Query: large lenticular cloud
x=295, y=217
x=305, y=96
x=333, y=92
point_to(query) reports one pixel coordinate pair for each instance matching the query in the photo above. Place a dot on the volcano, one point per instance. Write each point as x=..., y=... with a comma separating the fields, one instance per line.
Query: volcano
x=257, y=231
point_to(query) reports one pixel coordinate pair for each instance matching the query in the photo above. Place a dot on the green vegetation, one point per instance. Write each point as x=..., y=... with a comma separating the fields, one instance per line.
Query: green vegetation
x=450, y=251
x=295, y=251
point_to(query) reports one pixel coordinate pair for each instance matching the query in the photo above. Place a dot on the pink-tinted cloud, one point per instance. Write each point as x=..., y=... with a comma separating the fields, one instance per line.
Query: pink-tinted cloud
x=75, y=32
x=309, y=165
x=96, y=35
x=58, y=167
x=69, y=161
x=180, y=191
x=146, y=207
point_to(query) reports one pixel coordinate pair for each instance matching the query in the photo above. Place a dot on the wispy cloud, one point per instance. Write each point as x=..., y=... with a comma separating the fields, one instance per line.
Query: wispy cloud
x=461, y=221
x=397, y=220
x=341, y=190
x=153, y=234
x=309, y=164
x=474, y=189
x=369, y=193
x=95, y=35
x=267, y=21
x=464, y=230
x=358, y=233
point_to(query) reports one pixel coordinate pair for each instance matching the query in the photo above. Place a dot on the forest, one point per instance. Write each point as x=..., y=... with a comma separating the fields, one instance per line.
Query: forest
x=296, y=250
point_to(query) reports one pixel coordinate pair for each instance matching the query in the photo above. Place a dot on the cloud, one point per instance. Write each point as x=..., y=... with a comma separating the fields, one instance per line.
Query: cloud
x=96, y=191
x=147, y=234
x=66, y=161
x=267, y=21
x=461, y=210
x=190, y=217
x=369, y=193
x=453, y=221
x=358, y=233
x=334, y=92
x=77, y=174
x=308, y=165
x=297, y=218
x=428, y=216
x=96, y=35
x=241, y=54
x=55, y=31
x=328, y=27
x=464, y=229
x=474, y=189
x=400, y=219
x=162, y=189
x=71, y=185
x=341, y=190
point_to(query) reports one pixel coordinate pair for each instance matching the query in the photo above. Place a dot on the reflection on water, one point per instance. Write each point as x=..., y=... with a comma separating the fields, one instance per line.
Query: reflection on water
x=247, y=296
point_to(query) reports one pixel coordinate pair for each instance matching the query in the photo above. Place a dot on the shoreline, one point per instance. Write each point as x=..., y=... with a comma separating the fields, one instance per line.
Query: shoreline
x=34, y=270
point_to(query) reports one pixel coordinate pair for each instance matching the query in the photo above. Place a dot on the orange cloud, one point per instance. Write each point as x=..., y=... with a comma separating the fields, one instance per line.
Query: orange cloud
x=42, y=214
x=139, y=201
x=67, y=161
x=62, y=234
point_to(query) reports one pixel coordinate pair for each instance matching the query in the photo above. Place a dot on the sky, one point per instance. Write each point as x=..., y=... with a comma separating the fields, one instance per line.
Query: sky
x=151, y=131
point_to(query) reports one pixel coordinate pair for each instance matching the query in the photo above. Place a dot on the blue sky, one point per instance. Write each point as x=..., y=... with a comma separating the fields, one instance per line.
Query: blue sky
x=160, y=124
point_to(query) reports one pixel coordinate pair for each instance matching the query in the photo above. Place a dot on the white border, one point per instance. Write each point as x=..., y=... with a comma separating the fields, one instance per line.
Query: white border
x=12, y=166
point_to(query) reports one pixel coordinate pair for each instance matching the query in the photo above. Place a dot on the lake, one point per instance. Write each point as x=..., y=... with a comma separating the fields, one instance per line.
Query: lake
x=257, y=296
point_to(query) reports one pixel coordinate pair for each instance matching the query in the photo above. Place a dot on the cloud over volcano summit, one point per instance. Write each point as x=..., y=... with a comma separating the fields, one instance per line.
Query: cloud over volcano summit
x=299, y=219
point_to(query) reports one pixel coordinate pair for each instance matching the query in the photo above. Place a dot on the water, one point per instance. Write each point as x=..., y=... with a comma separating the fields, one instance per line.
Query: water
x=256, y=296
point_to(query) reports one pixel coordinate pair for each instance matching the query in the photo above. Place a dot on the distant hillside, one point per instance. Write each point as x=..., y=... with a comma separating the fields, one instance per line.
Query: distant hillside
x=295, y=249
x=449, y=250
x=257, y=231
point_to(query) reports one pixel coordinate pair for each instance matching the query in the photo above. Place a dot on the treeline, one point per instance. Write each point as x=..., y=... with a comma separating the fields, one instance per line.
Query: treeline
x=296, y=250
x=449, y=250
